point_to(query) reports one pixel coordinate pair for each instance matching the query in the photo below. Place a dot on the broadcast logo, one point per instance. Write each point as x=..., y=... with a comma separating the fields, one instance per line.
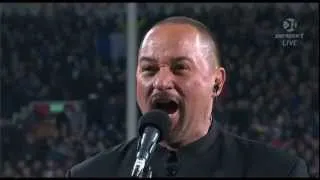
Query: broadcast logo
x=290, y=38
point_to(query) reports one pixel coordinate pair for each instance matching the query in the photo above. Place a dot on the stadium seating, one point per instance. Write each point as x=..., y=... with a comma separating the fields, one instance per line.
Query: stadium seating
x=63, y=80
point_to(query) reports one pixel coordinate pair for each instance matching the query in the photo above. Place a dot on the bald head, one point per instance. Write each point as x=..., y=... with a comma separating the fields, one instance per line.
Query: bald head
x=178, y=61
x=204, y=38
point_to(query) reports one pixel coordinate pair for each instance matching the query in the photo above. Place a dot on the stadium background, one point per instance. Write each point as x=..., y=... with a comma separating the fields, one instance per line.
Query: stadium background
x=63, y=79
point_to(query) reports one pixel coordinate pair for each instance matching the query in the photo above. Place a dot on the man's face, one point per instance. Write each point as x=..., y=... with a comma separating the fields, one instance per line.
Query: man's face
x=174, y=75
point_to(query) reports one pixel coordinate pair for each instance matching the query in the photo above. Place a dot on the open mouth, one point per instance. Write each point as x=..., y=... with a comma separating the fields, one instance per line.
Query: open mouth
x=166, y=105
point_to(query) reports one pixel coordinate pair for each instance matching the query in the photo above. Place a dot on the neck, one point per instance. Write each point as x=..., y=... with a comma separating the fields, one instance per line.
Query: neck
x=175, y=146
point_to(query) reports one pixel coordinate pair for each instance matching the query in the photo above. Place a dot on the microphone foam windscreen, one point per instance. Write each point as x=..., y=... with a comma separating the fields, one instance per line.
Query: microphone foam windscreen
x=157, y=119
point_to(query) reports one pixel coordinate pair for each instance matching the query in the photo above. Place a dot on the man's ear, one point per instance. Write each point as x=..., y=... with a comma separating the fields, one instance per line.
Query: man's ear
x=219, y=80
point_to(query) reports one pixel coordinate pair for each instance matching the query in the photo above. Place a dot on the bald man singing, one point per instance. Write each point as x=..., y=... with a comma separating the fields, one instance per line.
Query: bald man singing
x=178, y=60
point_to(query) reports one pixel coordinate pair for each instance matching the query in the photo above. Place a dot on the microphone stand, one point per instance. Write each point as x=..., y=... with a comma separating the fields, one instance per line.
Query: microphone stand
x=145, y=173
x=137, y=172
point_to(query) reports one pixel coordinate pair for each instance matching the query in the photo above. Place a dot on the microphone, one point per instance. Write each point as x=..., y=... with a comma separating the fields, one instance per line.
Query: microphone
x=154, y=127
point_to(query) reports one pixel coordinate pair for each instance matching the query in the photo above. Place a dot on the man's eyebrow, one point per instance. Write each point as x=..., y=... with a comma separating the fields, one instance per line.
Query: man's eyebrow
x=174, y=59
x=181, y=58
x=147, y=59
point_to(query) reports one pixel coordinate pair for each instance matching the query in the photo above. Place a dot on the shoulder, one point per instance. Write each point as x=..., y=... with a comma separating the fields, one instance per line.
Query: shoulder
x=265, y=160
x=104, y=164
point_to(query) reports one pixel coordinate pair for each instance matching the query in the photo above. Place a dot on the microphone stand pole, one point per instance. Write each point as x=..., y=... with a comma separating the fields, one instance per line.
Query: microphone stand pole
x=146, y=172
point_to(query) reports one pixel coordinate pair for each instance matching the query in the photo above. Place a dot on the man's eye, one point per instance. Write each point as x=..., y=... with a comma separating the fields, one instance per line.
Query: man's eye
x=179, y=67
x=148, y=68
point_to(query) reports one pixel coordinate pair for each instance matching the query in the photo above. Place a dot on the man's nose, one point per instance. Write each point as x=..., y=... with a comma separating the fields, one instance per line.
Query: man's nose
x=163, y=79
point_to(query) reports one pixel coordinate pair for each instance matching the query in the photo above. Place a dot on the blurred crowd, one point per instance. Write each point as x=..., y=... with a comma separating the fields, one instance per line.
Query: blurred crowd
x=271, y=93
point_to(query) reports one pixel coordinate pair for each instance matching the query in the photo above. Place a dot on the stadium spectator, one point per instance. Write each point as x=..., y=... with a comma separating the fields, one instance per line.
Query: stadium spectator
x=73, y=53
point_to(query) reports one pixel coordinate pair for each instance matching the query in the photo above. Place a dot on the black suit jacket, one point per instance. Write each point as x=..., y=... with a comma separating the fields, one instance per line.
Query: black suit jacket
x=228, y=156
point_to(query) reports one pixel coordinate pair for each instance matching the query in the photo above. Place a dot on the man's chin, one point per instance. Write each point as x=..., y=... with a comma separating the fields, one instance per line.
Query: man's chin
x=174, y=119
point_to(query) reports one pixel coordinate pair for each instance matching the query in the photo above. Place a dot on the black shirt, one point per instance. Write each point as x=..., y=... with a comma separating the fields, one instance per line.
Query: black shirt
x=165, y=163
x=218, y=154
